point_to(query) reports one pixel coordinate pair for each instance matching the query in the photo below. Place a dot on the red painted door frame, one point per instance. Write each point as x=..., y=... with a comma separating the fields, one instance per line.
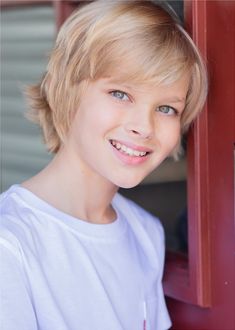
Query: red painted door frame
x=212, y=143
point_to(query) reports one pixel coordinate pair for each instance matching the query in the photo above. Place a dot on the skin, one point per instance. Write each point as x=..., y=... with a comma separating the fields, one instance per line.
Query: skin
x=87, y=171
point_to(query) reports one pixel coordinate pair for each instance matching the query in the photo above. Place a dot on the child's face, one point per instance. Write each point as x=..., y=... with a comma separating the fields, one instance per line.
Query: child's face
x=121, y=133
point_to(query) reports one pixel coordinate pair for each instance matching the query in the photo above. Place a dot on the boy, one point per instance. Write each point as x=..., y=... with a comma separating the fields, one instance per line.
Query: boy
x=123, y=82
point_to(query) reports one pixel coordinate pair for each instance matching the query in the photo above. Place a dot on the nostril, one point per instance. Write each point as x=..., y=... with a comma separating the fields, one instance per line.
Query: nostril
x=141, y=130
x=135, y=132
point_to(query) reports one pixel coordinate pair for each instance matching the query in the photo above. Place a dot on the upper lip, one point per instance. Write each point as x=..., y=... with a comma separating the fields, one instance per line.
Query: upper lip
x=133, y=146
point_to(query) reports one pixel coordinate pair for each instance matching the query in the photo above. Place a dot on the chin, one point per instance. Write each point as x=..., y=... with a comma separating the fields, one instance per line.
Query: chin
x=127, y=184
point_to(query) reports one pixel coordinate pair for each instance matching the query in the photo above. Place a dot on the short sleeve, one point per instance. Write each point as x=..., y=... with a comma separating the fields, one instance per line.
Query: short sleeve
x=15, y=303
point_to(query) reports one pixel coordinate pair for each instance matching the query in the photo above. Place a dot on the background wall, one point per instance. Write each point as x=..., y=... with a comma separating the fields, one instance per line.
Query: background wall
x=27, y=35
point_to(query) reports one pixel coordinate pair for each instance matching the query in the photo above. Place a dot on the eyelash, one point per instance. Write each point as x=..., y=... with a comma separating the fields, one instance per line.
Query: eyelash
x=115, y=92
x=169, y=108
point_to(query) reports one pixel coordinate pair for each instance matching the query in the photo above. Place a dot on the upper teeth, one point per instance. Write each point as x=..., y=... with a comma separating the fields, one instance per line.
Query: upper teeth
x=128, y=150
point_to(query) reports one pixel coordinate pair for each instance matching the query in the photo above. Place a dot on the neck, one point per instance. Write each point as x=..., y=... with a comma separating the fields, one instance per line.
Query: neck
x=74, y=189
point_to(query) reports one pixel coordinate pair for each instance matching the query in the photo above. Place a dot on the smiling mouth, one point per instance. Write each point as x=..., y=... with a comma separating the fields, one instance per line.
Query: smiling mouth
x=127, y=150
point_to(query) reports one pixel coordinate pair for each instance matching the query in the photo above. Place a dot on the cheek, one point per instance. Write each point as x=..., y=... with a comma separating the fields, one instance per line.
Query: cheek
x=102, y=120
x=169, y=136
x=94, y=123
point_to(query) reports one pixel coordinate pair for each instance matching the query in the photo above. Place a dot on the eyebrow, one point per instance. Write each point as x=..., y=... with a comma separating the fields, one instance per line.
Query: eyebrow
x=176, y=100
x=130, y=87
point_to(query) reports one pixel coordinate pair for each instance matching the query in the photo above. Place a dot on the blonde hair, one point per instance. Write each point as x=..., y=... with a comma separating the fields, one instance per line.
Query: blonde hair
x=97, y=41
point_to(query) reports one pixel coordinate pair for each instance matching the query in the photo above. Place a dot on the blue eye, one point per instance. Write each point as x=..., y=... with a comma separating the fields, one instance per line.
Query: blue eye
x=120, y=95
x=167, y=110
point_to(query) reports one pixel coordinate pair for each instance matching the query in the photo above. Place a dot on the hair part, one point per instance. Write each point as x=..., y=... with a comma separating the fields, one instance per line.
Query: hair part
x=90, y=45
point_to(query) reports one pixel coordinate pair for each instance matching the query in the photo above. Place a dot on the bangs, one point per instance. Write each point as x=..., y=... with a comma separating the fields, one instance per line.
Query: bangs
x=143, y=59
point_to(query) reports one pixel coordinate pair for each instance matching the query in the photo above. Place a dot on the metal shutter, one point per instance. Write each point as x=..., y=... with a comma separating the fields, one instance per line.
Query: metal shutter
x=27, y=35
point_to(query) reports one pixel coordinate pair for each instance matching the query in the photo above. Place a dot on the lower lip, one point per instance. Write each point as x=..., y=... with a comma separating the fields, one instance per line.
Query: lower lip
x=129, y=160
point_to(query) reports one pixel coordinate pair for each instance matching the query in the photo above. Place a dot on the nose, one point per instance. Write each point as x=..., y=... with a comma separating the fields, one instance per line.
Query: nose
x=140, y=124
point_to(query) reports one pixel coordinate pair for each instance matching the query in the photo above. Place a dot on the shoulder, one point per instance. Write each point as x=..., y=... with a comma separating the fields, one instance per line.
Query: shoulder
x=12, y=207
x=13, y=227
x=15, y=206
x=11, y=203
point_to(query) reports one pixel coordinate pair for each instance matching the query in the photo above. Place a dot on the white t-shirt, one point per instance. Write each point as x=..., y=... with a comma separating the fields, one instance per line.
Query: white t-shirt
x=61, y=273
